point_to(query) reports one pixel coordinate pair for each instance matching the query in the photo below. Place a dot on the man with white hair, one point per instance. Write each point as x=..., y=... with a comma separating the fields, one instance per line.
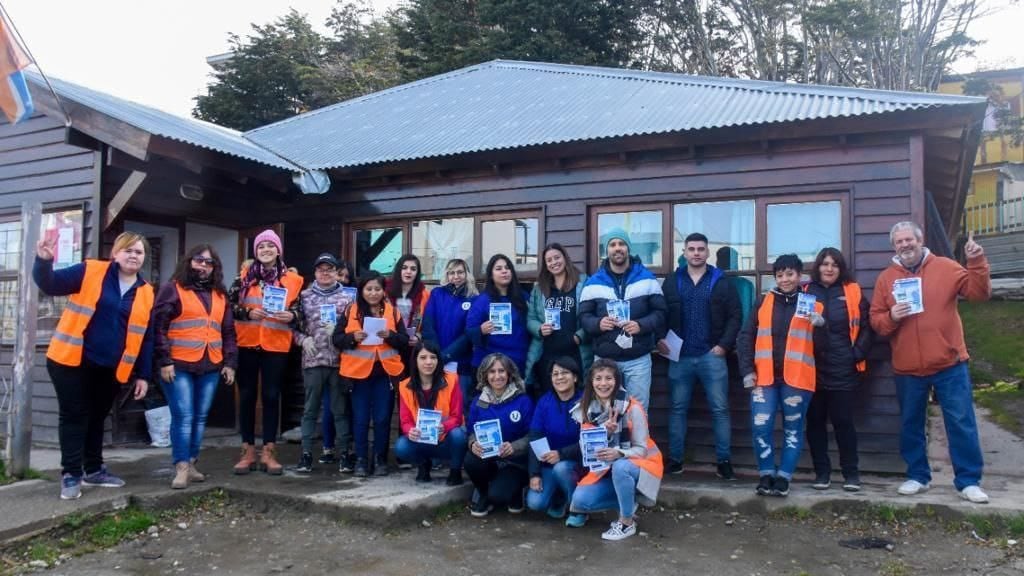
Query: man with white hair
x=915, y=305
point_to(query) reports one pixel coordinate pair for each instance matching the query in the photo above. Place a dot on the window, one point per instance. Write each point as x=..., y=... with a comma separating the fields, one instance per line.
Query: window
x=645, y=234
x=378, y=249
x=803, y=229
x=729, y=227
x=515, y=238
x=436, y=242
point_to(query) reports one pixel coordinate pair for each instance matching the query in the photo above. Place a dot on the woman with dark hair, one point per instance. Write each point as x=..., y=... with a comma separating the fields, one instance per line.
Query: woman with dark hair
x=634, y=464
x=347, y=278
x=103, y=340
x=264, y=340
x=840, y=351
x=431, y=388
x=444, y=322
x=501, y=288
x=554, y=474
x=371, y=361
x=551, y=319
x=409, y=295
x=194, y=347
x=499, y=479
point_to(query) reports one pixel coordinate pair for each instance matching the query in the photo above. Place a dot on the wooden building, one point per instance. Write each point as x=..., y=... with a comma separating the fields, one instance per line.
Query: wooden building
x=509, y=156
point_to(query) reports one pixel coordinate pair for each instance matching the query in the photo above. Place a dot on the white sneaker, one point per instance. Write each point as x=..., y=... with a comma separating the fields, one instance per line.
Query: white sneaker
x=974, y=494
x=911, y=487
x=619, y=531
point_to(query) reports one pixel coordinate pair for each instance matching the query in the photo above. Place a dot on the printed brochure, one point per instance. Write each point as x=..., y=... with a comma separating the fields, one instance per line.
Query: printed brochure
x=908, y=290
x=428, y=422
x=274, y=298
x=592, y=440
x=488, y=436
x=501, y=317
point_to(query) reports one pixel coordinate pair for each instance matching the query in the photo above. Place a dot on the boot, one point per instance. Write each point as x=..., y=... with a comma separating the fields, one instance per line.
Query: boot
x=268, y=460
x=195, y=475
x=180, y=476
x=423, y=472
x=380, y=465
x=247, y=462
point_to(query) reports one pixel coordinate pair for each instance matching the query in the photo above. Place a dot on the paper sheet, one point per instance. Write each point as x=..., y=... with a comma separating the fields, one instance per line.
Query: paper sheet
x=675, y=346
x=371, y=326
x=540, y=447
x=452, y=367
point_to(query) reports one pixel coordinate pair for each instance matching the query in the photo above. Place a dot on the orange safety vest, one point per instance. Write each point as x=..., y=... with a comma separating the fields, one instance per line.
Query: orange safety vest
x=853, y=295
x=358, y=362
x=69, y=338
x=443, y=404
x=798, y=364
x=651, y=466
x=195, y=331
x=268, y=334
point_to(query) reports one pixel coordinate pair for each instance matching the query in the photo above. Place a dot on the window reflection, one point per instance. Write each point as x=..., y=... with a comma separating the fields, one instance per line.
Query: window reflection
x=436, y=242
x=803, y=229
x=729, y=227
x=515, y=238
x=645, y=234
x=378, y=249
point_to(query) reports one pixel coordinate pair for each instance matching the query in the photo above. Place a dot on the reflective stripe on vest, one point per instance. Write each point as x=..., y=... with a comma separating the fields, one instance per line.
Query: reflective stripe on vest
x=358, y=362
x=66, y=346
x=268, y=334
x=195, y=330
x=442, y=404
x=798, y=369
x=651, y=466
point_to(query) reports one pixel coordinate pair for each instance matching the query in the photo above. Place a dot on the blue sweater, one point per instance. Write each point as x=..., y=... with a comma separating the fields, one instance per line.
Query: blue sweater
x=513, y=345
x=514, y=414
x=444, y=322
x=552, y=419
x=108, y=327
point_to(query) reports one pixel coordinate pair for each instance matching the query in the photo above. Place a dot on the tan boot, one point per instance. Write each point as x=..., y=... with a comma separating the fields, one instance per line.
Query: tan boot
x=195, y=475
x=268, y=460
x=180, y=476
x=247, y=461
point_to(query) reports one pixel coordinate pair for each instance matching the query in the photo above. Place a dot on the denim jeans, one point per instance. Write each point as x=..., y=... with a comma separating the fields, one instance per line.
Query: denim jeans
x=954, y=393
x=452, y=449
x=372, y=400
x=637, y=376
x=562, y=477
x=189, y=397
x=765, y=401
x=318, y=382
x=617, y=488
x=713, y=374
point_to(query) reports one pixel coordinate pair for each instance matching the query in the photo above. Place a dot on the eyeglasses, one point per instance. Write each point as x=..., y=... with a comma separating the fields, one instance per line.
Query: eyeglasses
x=560, y=373
x=203, y=261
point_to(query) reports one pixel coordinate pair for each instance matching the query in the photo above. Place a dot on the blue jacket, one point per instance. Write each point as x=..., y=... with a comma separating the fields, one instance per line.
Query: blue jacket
x=552, y=419
x=108, y=327
x=444, y=322
x=646, y=307
x=513, y=345
x=514, y=415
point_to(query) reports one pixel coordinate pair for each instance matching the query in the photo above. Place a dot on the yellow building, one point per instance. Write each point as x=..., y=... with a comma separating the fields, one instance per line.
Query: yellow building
x=995, y=200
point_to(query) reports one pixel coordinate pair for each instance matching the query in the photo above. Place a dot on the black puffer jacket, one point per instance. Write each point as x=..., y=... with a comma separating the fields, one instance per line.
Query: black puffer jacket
x=782, y=314
x=835, y=357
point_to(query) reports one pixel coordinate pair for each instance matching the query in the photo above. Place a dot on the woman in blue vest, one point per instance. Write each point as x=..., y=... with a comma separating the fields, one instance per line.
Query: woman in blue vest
x=444, y=322
x=501, y=289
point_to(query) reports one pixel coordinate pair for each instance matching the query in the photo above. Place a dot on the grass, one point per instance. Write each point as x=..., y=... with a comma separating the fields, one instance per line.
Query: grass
x=30, y=474
x=995, y=526
x=995, y=339
x=894, y=567
x=125, y=524
x=1005, y=403
x=887, y=514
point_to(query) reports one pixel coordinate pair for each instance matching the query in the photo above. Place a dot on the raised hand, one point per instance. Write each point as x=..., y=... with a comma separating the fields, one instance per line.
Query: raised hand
x=972, y=249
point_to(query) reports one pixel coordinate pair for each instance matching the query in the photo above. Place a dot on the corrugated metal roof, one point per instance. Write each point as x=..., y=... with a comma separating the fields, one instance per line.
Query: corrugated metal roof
x=508, y=104
x=160, y=123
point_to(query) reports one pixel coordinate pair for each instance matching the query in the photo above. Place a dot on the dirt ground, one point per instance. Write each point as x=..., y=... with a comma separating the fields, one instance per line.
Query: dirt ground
x=252, y=539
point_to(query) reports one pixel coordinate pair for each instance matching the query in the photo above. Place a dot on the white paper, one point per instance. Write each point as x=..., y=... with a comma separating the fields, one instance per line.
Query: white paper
x=372, y=325
x=909, y=291
x=540, y=447
x=452, y=367
x=65, y=247
x=805, y=304
x=675, y=346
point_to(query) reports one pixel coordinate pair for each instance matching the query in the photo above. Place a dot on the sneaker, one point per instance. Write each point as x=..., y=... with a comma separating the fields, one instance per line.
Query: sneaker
x=70, y=487
x=347, y=463
x=423, y=472
x=576, y=520
x=305, y=465
x=326, y=457
x=103, y=478
x=619, y=531
x=974, y=494
x=725, y=472
x=380, y=466
x=403, y=465
x=362, y=468
x=558, y=512
x=851, y=483
x=480, y=508
x=515, y=506
x=822, y=481
x=454, y=478
x=911, y=487
x=675, y=467
x=764, y=486
x=780, y=487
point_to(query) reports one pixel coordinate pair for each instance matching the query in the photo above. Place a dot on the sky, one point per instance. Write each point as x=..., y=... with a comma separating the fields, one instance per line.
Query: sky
x=154, y=52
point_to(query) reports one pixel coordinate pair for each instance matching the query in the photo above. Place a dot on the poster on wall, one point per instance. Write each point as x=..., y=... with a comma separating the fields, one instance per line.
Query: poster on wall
x=64, y=230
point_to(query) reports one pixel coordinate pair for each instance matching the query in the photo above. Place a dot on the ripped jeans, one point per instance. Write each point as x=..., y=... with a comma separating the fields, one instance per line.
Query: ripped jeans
x=765, y=401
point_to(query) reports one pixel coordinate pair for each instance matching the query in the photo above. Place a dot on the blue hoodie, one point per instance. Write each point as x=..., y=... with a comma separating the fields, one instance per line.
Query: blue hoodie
x=444, y=322
x=514, y=414
x=552, y=419
x=513, y=345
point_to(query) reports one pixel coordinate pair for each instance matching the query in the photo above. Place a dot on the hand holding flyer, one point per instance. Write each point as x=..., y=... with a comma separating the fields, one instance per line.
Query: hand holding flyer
x=805, y=304
x=591, y=441
x=428, y=422
x=618, y=310
x=488, y=436
x=553, y=317
x=909, y=291
x=274, y=298
x=372, y=326
x=501, y=317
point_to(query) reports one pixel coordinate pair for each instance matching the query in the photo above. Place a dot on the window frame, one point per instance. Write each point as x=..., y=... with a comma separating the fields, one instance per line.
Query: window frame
x=761, y=218
x=594, y=238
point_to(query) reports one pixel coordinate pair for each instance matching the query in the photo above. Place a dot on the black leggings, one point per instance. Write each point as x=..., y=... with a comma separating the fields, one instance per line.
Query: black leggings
x=835, y=406
x=85, y=395
x=500, y=483
x=272, y=366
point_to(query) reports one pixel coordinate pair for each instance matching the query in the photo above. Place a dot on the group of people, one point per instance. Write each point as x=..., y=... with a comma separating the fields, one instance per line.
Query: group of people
x=505, y=384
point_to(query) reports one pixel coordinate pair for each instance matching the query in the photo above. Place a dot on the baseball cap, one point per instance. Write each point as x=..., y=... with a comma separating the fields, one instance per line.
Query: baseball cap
x=326, y=258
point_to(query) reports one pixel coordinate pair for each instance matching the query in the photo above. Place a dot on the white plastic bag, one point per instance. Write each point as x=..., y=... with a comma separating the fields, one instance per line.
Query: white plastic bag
x=158, y=421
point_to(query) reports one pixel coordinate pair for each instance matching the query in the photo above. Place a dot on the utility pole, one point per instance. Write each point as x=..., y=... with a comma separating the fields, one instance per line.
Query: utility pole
x=19, y=424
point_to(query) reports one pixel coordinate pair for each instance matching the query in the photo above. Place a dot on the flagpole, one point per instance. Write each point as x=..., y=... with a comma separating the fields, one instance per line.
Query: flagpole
x=7, y=18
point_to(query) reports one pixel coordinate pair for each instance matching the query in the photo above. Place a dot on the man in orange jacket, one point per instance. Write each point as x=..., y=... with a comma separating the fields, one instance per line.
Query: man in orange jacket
x=915, y=306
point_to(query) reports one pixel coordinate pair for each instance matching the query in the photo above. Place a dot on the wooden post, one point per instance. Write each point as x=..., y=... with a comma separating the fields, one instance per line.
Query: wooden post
x=19, y=424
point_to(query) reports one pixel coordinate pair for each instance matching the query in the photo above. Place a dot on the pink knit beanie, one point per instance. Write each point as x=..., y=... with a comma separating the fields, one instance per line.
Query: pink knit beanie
x=268, y=236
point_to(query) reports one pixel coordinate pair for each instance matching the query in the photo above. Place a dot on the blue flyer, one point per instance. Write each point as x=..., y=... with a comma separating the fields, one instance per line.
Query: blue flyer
x=328, y=314
x=501, y=317
x=428, y=422
x=592, y=440
x=488, y=436
x=553, y=316
x=274, y=298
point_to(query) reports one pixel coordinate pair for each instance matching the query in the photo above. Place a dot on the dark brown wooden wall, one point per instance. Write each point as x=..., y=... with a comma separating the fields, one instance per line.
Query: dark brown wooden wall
x=877, y=180
x=36, y=164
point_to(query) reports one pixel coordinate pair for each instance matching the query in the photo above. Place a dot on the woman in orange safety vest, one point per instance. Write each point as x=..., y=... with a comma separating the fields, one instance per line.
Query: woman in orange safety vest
x=632, y=464
x=194, y=346
x=264, y=302
x=103, y=339
x=371, y=362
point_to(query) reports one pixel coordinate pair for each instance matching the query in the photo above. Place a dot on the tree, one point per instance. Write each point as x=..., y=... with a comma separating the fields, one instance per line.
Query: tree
x=437, y=36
